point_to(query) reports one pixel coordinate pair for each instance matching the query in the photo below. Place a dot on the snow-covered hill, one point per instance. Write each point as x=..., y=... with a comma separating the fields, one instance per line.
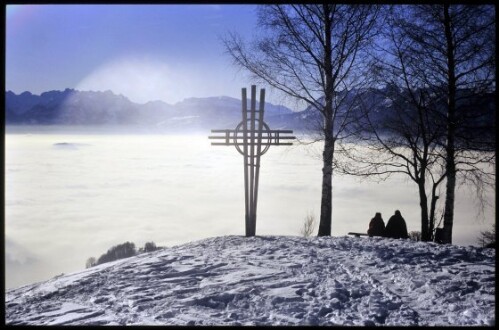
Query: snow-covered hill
x=272, y=280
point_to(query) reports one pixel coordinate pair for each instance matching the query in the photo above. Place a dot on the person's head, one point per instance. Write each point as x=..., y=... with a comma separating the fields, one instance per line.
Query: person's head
x=397, y=212
x=377, y=215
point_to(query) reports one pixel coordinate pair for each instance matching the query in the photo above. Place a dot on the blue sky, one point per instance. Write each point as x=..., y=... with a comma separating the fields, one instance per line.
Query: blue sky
x=145, y=52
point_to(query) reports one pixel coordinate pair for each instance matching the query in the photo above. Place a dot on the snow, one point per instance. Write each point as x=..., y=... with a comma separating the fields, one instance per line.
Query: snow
x=272, y=280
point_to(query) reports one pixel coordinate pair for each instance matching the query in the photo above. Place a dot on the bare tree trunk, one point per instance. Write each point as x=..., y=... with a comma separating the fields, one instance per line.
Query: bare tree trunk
x=449, y=205
x=423, y=202
x=433, y=207
x=450, y=165
x=327, y=188
x=327, y=155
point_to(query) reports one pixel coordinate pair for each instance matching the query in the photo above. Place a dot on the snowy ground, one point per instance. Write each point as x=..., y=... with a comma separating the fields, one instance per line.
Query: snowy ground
x=272, y=280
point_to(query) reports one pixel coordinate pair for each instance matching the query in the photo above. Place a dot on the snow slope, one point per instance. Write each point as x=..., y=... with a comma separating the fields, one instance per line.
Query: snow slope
x=272, y=280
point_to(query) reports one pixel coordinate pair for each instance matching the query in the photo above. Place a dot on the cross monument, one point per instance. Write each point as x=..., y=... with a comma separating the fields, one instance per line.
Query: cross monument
x=252, y=137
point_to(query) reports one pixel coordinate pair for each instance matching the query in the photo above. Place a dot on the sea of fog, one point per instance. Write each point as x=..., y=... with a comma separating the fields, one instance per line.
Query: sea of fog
x=73, y=192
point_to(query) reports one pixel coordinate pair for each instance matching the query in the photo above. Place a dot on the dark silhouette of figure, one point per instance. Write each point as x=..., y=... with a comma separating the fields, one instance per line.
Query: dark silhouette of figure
x=396, y=227
x=491, y=245
x=376, y=226
x=439, y=235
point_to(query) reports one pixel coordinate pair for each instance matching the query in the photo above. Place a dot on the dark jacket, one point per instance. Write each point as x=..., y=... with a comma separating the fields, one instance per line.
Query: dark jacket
x=376, y=226
x=439, y=235
x=396, y=227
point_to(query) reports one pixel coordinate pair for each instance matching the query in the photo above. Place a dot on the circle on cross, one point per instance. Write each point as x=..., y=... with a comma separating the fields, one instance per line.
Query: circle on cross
x=240, y=129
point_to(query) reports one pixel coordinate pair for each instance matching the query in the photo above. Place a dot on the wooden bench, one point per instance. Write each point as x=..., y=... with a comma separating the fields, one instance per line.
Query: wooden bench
x=357, y=234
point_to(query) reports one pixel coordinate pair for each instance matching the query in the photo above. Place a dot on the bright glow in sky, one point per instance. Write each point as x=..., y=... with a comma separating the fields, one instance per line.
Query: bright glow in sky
x=145, y=52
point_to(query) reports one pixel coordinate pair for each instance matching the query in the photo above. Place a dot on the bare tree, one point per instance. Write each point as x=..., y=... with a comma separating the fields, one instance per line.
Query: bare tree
x=415, y=236
x=150, y=246
x=90, y=262
x=119, y=251
x=400, y=131
x=312, y=53
x=308, y=225
x=487, y=238
x=421, y=132
x=455, y=49
x=400, y=141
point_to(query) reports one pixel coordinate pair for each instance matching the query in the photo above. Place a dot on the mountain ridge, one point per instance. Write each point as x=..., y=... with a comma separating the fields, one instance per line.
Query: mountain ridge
x=70, y=107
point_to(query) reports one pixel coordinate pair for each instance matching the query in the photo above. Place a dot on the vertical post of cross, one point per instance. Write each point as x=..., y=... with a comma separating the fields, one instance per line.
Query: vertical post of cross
x=245, y=156
x=252, y=148
x=258, y=153
x=252, y=159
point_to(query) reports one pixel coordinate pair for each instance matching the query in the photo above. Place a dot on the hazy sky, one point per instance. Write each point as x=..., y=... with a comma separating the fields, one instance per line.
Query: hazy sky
x=145, y=52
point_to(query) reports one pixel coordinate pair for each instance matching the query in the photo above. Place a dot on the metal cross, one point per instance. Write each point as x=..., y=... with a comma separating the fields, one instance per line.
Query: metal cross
x=252, y=134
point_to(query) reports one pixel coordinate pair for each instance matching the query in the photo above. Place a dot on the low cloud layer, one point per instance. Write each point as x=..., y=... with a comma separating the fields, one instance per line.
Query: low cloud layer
x=69, y=206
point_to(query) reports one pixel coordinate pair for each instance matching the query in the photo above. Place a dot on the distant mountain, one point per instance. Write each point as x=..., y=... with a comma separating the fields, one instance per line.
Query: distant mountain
x=222, y=112
x=72, y=107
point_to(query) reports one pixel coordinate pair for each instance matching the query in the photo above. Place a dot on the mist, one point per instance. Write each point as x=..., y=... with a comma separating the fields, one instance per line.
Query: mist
x=73, y=192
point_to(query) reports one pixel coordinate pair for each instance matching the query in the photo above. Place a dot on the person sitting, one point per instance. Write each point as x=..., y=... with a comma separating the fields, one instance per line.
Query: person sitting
x=439, y=235
x=376, y=226
x=396, y=227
